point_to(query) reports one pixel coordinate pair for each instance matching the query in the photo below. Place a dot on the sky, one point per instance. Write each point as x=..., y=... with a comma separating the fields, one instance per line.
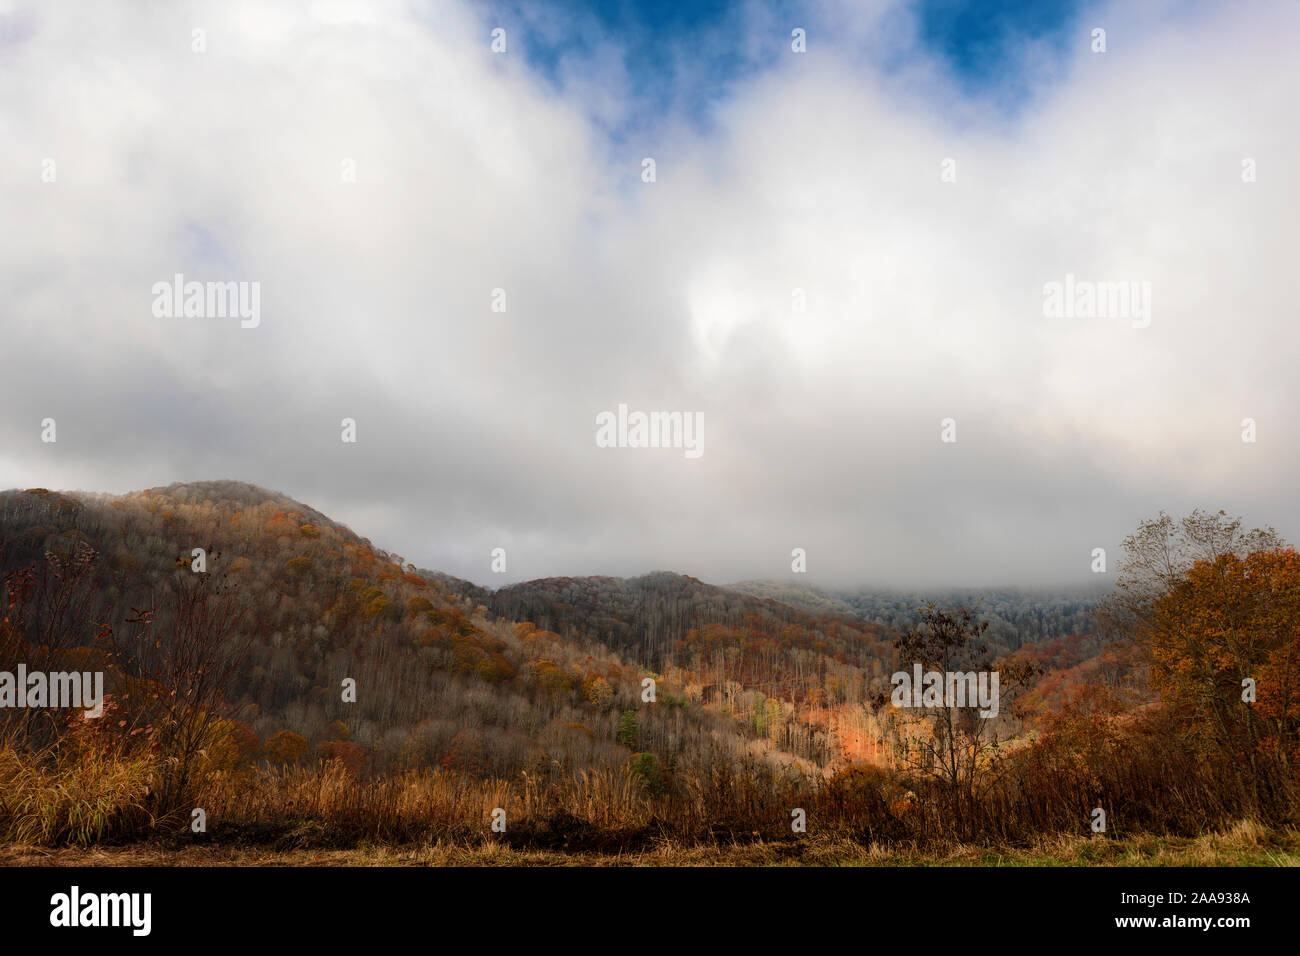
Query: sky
x=844, y=257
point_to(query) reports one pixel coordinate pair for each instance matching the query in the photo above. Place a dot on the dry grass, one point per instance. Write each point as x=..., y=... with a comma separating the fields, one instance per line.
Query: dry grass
x=1245, y=844
x=720, y=816
x=81, y=800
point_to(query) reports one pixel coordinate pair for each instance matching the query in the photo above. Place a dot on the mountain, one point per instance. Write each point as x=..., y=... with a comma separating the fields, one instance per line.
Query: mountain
x=1016, y=617
x=540, y=676
x=305, y=685
x=808, y=683
x=544, y=676
x=803, y=596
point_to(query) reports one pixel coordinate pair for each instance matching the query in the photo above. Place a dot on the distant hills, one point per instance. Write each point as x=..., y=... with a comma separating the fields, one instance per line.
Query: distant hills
x=1016, y=616
x=544, y=676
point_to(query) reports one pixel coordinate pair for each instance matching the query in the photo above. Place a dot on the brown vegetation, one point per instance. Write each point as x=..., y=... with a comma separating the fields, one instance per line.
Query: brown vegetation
x=224, y=695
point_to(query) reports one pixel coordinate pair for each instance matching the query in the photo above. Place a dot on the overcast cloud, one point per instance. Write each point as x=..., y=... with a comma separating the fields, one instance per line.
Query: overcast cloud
x=817, y=171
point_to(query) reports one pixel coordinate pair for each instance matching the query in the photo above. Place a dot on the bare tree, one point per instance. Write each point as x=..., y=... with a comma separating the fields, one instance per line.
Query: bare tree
x=48, y=611
x=1159, y=554
x=958, y=747
x=185, y=674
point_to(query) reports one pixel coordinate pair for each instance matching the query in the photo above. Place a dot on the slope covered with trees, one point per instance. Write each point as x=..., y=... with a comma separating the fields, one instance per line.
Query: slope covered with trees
x=439, y=681
x=274, y=668
x=1016, y=617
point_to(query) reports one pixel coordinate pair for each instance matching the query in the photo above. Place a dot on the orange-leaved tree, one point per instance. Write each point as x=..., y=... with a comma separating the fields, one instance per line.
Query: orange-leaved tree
x=1225, y=654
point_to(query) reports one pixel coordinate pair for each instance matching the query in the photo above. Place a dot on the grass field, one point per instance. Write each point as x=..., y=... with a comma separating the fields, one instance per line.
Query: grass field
x=1245, y=844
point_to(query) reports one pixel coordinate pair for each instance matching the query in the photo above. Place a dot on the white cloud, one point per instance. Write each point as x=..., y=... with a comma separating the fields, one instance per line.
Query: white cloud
x=819, y=171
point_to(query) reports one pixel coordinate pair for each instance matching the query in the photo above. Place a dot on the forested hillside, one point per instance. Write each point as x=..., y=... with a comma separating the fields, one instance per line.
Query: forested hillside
x=439, y=681
x=1016, y=616
x=543, y=676
x=808, y=683
x=271, y=663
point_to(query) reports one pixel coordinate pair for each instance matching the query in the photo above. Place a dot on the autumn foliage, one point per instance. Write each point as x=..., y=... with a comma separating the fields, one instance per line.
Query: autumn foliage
x=1178, y=712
